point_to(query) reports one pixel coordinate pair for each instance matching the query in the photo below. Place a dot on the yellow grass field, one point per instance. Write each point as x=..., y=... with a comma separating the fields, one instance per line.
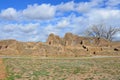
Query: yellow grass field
x=98, y=68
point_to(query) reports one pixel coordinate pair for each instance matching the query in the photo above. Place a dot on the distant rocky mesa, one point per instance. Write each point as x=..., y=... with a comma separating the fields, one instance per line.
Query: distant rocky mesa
x=69, y=46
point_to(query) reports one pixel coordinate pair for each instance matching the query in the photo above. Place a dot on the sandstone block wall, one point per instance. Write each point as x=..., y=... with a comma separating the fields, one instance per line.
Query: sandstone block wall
x=70, y=45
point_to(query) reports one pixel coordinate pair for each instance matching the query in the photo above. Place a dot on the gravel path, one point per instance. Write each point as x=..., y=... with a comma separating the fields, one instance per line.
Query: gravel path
x=51, y=58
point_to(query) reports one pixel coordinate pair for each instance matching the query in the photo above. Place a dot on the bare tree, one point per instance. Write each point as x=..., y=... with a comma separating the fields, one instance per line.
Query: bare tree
x=102, y=31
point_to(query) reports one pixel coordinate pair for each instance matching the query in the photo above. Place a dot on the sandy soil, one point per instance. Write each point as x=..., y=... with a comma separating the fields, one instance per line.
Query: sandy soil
x=2, y=70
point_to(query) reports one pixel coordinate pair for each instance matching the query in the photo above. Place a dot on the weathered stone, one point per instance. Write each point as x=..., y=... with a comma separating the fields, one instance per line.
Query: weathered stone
x=70, y=45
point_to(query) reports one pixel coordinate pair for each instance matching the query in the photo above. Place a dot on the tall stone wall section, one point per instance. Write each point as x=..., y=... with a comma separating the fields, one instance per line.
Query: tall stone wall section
x=70, y=45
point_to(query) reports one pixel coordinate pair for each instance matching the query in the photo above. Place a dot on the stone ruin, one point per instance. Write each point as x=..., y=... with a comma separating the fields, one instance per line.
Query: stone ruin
x=74, y=40
x=83, y=45
x=70, y=45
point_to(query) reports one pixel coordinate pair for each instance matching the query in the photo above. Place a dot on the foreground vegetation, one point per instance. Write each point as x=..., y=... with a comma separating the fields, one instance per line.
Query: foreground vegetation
x=60, y=69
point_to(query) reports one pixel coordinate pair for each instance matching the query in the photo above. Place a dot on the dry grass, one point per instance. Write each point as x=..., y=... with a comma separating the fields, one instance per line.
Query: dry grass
x=2, y=70
x=60, y=69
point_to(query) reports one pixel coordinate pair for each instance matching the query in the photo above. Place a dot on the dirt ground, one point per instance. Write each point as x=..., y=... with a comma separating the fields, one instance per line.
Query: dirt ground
x=86, y=68
x=2, y=70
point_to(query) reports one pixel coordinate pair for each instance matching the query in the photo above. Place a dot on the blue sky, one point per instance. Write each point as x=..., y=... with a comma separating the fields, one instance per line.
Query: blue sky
x=34, y=20
x=21, y=4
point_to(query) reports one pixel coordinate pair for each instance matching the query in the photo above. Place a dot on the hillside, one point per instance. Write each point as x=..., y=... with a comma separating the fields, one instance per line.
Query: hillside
x=69, y=46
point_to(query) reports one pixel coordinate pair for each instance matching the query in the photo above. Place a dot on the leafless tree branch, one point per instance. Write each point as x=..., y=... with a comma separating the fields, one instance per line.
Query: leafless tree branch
x=102, y=31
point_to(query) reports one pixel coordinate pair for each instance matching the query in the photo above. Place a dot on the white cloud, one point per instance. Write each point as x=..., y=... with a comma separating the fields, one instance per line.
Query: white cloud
x=9, y=27
x=44, y=11
x=47, y=11
x=51, y=29
x=9, y=13
x=25, y=28
x=63, y=24
x=69, y=6
x=32, y=12
x=37, y=21
x=107, y=16
x=28, y=28
x=117, y=37
x=113, y=3
x=34, y=38
x=83, y=7
x=20, y=31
